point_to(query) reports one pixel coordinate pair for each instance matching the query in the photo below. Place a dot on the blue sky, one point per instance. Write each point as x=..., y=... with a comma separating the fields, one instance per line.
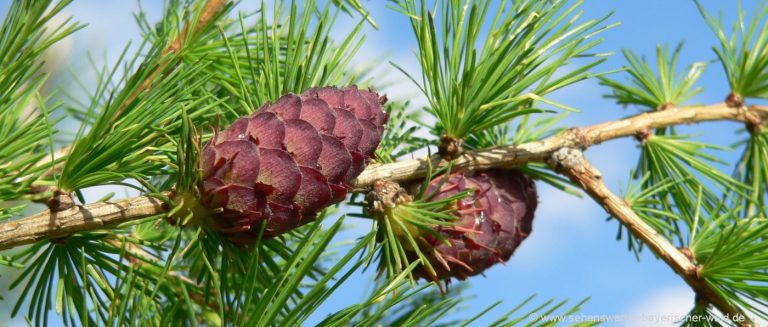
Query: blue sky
x=572, y=252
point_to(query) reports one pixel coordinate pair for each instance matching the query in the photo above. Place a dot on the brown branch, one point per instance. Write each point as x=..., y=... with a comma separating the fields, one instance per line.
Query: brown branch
x=581, y=138
x=571, y=163
x=47, y=225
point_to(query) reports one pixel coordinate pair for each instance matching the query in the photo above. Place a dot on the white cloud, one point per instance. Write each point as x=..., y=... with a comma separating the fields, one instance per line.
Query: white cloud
x=661, y=307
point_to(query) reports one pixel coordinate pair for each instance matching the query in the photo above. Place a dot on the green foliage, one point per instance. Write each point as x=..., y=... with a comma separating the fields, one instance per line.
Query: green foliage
x=752, y=171
x=26, y=124
x=729, y=249
x=282, y=292
x=401, y=231
x=288, y=51
x=655, y=92
x=519, y=60
x=676, y=180
x=70, y=277
x=646, y=203
x=744, y=55
x=114, y=150
x=733, y=254
x=129, y=116
x=188, y=148
x=11, y=211
x=675, y=158
x=675, y=174
x=421, y=307
x=399, y=137
x=355, y=5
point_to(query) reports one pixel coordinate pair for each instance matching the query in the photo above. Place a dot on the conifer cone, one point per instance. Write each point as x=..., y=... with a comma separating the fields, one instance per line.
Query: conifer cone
x=289, y=160
x=490, y=224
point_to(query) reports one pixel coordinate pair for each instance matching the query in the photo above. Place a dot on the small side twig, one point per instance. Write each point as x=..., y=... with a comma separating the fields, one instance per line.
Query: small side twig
x=540, y=151
x=571, y=162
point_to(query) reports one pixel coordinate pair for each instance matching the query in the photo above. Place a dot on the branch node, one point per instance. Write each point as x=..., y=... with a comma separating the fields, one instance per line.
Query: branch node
x=643, y=135
x=666, y=106
x=386, y=195
x=734, y=100
x=694, y=270
x=688, y=254
x=60, y=201
x=578, y=137
x=450, y=147
x=696, y=273
x=566, y=158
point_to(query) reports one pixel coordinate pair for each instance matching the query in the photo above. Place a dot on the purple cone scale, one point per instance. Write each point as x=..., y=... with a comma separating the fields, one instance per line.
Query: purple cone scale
x=490, y=224
x=289, y=160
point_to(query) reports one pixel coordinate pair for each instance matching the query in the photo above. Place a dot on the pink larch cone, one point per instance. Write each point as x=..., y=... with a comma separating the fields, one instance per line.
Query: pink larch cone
x=289, y=160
